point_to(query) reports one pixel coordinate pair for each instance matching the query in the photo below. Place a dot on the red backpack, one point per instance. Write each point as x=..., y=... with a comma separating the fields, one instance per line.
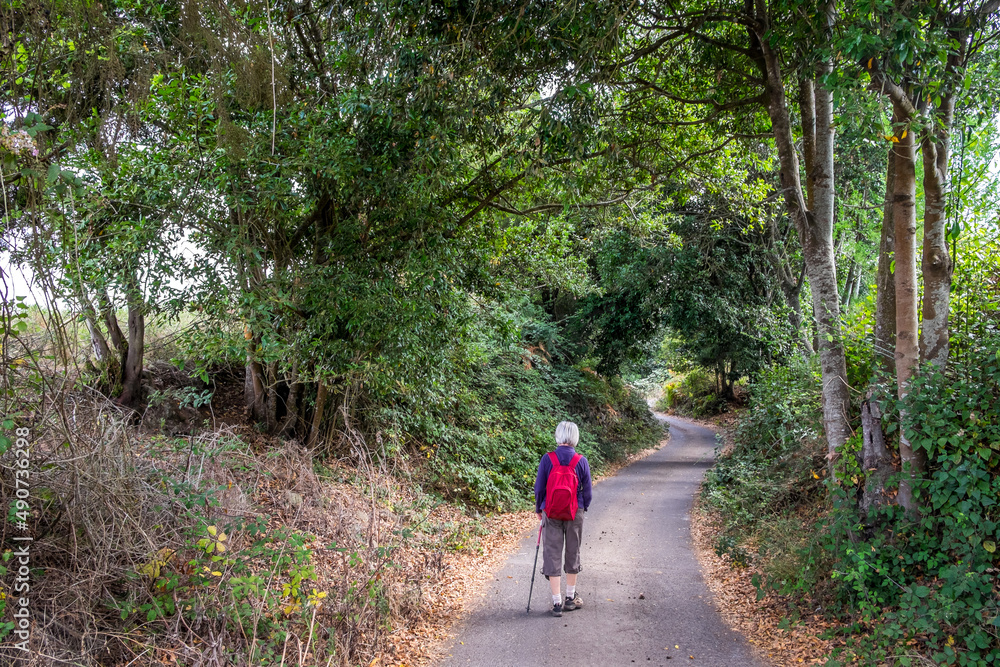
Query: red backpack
x=560, y=489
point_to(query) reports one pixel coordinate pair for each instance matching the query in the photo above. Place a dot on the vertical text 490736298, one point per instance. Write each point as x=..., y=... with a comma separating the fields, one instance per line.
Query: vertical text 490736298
x=20, y=558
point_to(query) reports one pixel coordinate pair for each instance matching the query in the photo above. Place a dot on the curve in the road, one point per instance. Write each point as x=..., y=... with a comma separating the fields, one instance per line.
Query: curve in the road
x=644, y=599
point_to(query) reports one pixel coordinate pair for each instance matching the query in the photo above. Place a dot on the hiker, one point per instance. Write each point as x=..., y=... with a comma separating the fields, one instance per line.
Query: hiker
x=554, y=484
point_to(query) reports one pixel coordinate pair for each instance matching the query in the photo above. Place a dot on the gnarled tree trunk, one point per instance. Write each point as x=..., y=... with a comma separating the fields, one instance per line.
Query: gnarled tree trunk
x=254, y=389
x=291, y=421
x=317, y=422
x=936, y=265
x=111, y=322
x=132, y=368
x=876, y=462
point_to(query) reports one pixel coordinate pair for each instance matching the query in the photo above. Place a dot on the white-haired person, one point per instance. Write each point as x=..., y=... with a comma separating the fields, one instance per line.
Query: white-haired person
x=562, y=497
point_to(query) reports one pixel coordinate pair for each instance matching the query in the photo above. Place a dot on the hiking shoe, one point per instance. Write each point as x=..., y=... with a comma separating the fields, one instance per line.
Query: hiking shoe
x=569, y=604
x=577, y=600
x=557, y=609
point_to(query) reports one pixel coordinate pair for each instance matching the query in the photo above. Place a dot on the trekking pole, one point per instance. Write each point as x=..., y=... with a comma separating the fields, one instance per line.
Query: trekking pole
x=534, y=567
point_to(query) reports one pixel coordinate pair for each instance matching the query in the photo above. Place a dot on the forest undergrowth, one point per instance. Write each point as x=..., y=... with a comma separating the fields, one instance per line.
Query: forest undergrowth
x=876, y=587
x=183, y=534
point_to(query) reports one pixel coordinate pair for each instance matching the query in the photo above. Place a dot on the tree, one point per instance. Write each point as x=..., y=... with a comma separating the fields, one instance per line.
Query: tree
x=754, y=49
x=706, y=277
x=918, y=56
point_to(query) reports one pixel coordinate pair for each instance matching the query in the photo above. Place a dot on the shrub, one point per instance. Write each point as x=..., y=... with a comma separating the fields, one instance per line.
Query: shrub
x=930, y=582
x=771, y=474
x=694, y=393
x=484, y=448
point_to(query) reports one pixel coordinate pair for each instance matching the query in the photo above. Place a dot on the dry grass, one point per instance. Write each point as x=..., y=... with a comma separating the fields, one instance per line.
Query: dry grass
x=382, y=573
x=395, y=566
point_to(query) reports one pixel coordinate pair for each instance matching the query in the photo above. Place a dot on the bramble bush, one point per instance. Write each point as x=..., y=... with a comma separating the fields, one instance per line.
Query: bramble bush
x=930, y=584
x=907, y=590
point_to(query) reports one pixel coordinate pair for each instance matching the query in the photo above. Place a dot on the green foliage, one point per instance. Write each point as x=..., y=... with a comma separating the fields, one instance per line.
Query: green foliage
x=772, y=475
x=975, y=308
x=858, y=329
x=706, y=280
x=695, y=393
x=484, y=437
x=901, y=584
x=769, y=471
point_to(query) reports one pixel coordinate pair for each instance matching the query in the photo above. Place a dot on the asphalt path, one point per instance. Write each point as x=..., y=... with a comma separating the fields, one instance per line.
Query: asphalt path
x=645, y=602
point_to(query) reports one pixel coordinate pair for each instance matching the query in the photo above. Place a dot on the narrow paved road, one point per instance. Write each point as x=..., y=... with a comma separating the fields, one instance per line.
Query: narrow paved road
x=641, y=585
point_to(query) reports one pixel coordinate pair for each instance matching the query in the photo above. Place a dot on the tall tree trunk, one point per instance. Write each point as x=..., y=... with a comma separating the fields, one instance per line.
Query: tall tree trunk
x=254, y=391
x=885, y=282
x=132, y=369
x=823, y=278
x=815, y=233
x=317, y=422
x=936, y=264
x=271, y=411
x=876, y=461
x=907, y=350
x=845, y=300
x=807, y=110
x=791, y=287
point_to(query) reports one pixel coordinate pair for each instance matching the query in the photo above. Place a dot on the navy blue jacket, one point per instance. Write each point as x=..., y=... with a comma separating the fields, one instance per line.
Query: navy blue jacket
x=565, y=454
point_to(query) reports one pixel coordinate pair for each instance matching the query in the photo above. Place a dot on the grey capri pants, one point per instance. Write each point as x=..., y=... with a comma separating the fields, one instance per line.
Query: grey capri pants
x=555, y=534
